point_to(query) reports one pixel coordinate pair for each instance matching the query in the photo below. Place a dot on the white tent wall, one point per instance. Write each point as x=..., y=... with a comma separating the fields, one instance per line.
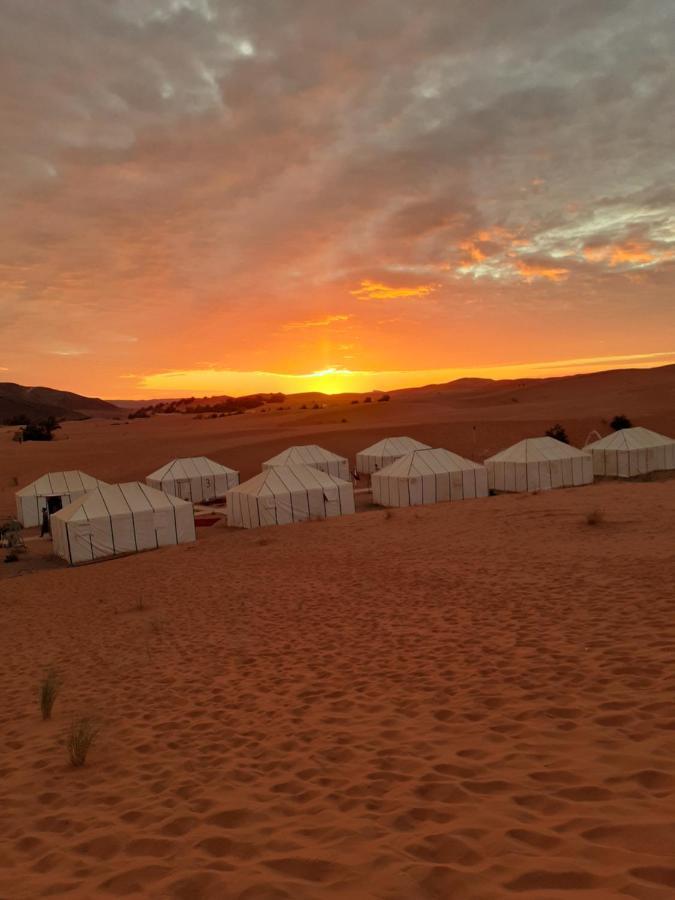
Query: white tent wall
x=311, y=455
x=197, y=479
x=429, y=476
x=539, y=464
x=67, y=486
x=119, y=519
x=286, y=494
x=632, y=452
x=385, y=452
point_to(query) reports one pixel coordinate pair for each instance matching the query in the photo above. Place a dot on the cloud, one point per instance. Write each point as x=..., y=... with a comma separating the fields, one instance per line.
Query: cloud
x=375, y=290
x=208, y=175
x=318, y=323
x=532, y=270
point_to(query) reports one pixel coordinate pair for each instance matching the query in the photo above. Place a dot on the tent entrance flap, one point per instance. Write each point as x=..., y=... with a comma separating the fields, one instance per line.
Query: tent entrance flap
x=183, y=489
x=54, y=504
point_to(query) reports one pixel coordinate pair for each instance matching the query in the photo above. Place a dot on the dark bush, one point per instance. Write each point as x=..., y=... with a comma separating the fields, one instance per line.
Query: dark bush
x=385, y=398
x=559, y=433
x=620, y=422
x=368, y=400
x=40, y=431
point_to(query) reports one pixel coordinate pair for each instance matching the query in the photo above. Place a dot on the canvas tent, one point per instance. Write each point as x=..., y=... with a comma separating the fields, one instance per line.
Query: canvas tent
x=539, y=464
x=195, y=478
x=384, y=452
x=51, y=491
x=285, y=494
x=632, y=451
x=120, y=518
x=429, y=476
x=311, y=455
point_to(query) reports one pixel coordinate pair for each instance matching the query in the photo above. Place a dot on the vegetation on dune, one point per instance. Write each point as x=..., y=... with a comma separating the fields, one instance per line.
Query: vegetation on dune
x=619, y=422
x=49, y=689
x=595, y=517
x=227, y=406
x=35, y=431
x=82, y=734
x=559, y=433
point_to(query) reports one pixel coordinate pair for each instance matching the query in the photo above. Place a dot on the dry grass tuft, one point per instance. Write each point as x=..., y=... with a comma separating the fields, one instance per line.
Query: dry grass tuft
x=49, y=689
x=83, y=733
x=595, y=517
x=388, y=514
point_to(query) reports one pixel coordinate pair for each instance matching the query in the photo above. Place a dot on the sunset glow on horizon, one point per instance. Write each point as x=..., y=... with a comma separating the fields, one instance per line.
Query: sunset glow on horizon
x=207, y=197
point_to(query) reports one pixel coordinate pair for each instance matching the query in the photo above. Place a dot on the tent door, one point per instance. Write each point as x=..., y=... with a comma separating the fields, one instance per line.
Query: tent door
x=54, y=504
x=183, y=489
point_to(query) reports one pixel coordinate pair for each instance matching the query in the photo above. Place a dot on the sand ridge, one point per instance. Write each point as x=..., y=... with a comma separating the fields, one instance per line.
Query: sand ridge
x=468, y=700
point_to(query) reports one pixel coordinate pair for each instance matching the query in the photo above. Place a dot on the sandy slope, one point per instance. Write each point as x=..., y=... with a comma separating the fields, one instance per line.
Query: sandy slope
x=463, y=701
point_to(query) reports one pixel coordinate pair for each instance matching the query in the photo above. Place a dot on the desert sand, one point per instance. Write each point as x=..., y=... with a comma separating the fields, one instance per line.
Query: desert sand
x=471, y=700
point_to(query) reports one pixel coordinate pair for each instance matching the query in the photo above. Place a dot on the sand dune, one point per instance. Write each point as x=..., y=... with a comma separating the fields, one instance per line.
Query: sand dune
x=470, y=700
x=475, y=702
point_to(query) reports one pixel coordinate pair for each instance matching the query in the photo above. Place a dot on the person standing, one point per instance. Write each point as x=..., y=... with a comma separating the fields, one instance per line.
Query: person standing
x=45, y=527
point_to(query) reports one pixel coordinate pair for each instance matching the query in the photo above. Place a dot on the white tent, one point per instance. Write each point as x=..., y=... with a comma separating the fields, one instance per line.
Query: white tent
x=195, y=478
x=539, y=464
x=311, y=455
x=384, y=452
x=285, y=494
x=51, y=491
x=120, y=518
x=632, y=451
x=429, y=476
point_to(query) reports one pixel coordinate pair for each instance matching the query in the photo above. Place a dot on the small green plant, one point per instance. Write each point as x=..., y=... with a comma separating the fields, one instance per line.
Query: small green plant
x=82, y=734
x=595, y=517
x=49, y=689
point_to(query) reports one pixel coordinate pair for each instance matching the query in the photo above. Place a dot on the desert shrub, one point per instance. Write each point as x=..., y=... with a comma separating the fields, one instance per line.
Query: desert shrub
x=49, y=689
x=595, y=517
x=385, y=398
x=388, y=514
x=82, y=734
x=619, y=422
x=316, y=406
x=343, y=421
x=40, y=431
x=11, y=557
x=368, y=400
x=559, y=433
x=354, y=402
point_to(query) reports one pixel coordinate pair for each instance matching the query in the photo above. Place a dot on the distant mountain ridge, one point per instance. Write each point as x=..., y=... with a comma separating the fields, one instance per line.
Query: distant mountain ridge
x=36, y=403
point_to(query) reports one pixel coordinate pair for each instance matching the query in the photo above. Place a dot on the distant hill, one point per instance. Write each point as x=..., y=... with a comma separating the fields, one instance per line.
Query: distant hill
x=37, y=403
x=633, y=391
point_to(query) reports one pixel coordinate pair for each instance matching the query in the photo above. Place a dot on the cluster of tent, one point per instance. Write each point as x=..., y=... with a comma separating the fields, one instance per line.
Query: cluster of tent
x=90, y=519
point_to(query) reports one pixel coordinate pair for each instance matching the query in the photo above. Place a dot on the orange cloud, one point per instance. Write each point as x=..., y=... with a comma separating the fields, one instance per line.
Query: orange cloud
x=375, y=290
x=532, y=271
x=318, y=323
x=475, y=254
x=630, y=253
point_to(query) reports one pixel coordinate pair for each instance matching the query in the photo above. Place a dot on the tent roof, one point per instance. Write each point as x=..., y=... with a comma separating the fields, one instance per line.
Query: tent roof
x=190, y=467
x=425, y=462
x=394, y=446
x=54, y=483
x=118, y=499
x=305, y=455
x=284, y=479
x=539, y=449
x=630, y=439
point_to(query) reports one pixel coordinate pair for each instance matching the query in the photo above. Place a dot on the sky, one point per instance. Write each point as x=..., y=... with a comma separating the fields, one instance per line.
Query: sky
x=205, y=196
